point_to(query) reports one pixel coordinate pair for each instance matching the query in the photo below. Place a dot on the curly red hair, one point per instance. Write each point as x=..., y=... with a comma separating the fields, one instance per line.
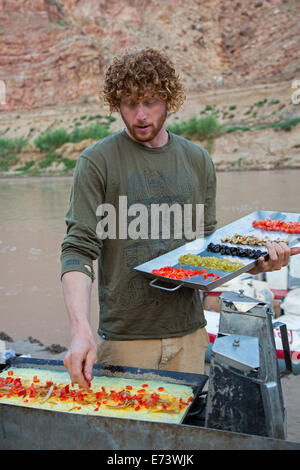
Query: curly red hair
x=139, y=73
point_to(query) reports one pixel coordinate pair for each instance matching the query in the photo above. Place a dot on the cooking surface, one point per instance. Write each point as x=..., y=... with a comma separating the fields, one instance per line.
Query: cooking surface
x=157, y=398
x=36, y=429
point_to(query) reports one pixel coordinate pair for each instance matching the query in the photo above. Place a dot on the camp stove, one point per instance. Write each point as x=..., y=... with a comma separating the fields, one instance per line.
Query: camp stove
x=244, y=393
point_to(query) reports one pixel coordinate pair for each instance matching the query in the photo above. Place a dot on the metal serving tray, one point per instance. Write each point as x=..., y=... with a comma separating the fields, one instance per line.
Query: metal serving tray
x=198, y=247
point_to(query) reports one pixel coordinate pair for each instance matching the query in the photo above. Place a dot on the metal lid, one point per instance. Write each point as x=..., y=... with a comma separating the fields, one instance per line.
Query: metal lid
x=241, y=302
x=239, y=351
x=231, y=296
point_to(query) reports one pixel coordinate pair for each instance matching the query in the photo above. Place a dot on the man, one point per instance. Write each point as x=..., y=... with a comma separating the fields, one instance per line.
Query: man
x=139, y=326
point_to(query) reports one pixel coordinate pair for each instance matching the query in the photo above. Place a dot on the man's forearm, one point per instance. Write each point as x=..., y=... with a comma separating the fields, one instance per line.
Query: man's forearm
x=81, y=355
x=77, y=289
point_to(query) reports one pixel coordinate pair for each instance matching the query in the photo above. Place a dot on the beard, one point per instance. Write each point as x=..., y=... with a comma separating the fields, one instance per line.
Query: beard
x=145, y=131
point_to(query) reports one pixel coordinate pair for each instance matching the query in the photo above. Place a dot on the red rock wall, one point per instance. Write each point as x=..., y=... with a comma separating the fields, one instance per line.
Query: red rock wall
x=52, y=52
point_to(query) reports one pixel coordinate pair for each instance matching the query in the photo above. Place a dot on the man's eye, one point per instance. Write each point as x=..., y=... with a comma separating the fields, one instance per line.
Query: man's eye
x=129, y=103
x=150, y=101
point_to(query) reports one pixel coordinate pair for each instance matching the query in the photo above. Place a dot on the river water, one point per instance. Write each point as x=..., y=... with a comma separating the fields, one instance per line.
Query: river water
x=32, y=228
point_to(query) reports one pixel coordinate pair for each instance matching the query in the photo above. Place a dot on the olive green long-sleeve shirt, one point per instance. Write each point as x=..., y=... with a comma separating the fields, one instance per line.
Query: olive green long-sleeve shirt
x=180, y=172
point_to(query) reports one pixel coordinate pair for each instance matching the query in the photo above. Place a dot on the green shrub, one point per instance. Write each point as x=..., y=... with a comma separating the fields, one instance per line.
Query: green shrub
x=284, y=125
x=110, y=118
x=51, y=140
x=274, y=102
x=69, y=164
x=9, y=150
x=26, y=167
x=261, y=103
x=50, y=157
x=236, y=128
x=206, y=127
x=287, y=125
x=94, y=131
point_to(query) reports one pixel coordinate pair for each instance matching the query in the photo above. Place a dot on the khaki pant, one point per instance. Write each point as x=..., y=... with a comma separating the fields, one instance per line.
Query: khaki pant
x=179, y=354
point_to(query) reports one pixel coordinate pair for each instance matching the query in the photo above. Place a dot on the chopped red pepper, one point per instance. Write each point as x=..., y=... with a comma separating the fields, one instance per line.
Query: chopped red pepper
x=155, y=397
x=176, y=273
x=140, y=400
x=277, y=225
x=10, y=372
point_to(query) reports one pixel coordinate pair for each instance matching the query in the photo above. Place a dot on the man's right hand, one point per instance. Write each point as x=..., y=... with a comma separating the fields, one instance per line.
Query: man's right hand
x=82, y=353
x=80, y=359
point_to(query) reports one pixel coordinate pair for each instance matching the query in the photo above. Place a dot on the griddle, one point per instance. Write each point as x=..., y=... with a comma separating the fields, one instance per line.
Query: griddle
x=37, y=429
x=195, y=381
x=199, y=247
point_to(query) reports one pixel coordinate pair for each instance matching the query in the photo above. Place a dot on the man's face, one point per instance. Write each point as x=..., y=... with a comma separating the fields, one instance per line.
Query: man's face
x=144, y=119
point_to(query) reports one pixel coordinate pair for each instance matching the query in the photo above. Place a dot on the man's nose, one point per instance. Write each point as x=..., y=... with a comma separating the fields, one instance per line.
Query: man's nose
x=140, y=113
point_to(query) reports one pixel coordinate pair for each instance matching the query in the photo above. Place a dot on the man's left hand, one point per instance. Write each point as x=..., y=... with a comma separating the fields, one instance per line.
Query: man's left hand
x=279, y=256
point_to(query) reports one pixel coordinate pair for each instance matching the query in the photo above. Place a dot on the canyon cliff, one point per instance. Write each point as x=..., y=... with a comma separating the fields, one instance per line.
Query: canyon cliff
x=54, y=52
